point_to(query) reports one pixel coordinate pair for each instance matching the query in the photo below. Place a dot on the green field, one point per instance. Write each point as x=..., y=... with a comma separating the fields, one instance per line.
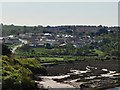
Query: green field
x=100, y=53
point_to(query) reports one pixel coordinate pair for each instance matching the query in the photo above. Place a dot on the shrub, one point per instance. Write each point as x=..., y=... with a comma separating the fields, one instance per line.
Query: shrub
x=15, y=75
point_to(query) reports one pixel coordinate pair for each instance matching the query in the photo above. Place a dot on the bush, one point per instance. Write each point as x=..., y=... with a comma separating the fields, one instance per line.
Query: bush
x=114, y=57
x=15, y=75
x=36, y=69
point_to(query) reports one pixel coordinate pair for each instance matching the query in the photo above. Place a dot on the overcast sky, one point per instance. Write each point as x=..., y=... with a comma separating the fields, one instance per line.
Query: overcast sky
x=60, y=13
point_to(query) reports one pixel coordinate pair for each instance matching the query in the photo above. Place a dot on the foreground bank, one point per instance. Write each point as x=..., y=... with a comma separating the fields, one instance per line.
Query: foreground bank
x=88, y=74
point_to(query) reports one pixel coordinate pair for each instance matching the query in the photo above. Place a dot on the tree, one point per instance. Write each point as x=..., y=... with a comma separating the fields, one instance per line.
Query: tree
x=91, y=47
x=100, y=26
x=48, y=46
x=103, y=31
x=5, y=50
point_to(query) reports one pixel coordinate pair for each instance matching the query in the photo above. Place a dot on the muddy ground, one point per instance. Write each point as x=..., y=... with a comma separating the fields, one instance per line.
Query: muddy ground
x=85, y=75
x=80, y=65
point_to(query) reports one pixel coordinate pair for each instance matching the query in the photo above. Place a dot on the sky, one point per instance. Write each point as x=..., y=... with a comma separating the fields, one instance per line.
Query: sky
x=60, y=13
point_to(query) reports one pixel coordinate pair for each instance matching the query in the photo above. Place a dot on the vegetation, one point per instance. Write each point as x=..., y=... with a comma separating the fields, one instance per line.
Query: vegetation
x=58, y=53
x=5, y=50
x=19, y=73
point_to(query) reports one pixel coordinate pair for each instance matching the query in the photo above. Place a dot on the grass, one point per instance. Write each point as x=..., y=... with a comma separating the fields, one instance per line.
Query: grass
x=100, y=53
x=50, y=59
x=64, y=58
x=52, y=55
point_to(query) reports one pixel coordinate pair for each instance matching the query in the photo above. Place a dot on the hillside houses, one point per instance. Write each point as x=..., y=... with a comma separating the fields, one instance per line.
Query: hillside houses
x=78, y=36
x=10, y=40
x=41, y=39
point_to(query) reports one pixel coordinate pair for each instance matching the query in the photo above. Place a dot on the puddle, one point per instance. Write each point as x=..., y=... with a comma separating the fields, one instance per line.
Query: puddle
x=55, y=77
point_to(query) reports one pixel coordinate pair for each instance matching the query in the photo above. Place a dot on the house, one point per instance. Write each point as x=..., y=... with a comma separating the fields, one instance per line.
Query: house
x=11, y=40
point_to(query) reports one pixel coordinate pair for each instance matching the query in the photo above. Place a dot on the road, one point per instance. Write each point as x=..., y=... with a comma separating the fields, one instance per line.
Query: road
x=49, y=83
x=23, y=42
